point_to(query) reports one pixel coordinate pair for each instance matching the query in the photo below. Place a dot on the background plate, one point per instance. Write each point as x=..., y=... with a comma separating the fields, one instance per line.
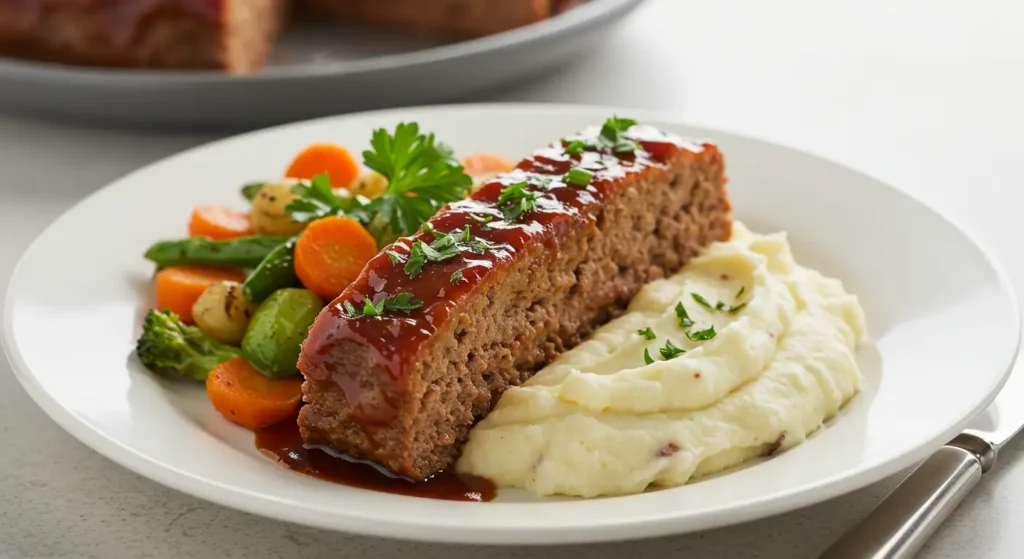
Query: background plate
x=315, y=71
x=941, y=312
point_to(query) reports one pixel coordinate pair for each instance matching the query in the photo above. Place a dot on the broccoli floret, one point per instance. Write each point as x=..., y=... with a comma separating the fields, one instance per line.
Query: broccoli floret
x=167, y=344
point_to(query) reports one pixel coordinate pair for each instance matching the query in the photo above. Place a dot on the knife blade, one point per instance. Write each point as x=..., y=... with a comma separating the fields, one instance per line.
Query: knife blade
x=900, y=525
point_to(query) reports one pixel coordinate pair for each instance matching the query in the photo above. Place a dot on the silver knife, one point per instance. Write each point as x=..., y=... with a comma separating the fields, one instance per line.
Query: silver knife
x=900, y=525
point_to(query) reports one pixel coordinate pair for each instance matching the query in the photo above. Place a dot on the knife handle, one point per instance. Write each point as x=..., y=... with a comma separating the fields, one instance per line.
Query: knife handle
x=900, y=525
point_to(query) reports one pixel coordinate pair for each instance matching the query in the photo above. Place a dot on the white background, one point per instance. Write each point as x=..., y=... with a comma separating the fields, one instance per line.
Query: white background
x=926, y=95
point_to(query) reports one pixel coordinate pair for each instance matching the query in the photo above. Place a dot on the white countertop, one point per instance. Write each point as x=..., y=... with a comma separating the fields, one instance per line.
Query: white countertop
x=926, y=95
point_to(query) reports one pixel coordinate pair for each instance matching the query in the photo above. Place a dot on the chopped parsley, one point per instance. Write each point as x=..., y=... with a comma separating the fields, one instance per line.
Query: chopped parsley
x=740, y=292
x=736, y=308
x=702, y=335
x=575, y=147
x=395, y=257
x=647, y=357
x=481, y=219
x=457, y=276
x=647, y=333
x=684, y=319
x=670, y=351
x=515, y=200
x=702, y=301
x=401, y=302
x=612, y=135
x=578, y=177
x=444, y=246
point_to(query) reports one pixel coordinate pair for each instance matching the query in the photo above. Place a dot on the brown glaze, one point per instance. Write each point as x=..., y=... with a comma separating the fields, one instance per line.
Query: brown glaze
x=395, y=339
x=124, y=17
x=283, y=444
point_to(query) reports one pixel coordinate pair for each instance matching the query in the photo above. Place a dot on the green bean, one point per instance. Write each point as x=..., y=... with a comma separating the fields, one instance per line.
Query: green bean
x=200, y=251
x=276, y=271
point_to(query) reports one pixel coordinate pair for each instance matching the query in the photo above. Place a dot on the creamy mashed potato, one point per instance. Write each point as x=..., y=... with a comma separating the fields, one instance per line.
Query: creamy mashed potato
x=606, y=419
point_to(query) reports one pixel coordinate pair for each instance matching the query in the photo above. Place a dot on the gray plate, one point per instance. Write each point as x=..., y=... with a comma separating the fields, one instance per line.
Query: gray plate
x=315, y=71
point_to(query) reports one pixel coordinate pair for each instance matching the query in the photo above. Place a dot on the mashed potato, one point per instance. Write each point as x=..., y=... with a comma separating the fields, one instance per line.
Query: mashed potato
x=747, y=353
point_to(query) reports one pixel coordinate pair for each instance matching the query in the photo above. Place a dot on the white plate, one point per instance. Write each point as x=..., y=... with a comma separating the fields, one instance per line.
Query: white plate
x=942, y=313
x=314, y=71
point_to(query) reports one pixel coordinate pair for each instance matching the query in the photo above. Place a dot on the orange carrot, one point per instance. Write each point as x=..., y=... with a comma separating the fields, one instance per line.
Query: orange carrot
x=330, y=254
x=480, y=164
x=243, y=395
x=219, y=223
x=178, y=287
x=334, y=160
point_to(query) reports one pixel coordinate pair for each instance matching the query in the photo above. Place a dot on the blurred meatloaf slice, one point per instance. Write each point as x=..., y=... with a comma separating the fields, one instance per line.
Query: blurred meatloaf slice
x=404, y=388
x=232, y=35
x=458, y=18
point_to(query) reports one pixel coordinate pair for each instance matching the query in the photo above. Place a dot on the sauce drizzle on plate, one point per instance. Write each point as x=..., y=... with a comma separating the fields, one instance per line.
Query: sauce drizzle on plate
x=283, y=444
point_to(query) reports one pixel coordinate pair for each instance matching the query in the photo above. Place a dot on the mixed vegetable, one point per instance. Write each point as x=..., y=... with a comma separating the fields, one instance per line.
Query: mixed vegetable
x=235, y=299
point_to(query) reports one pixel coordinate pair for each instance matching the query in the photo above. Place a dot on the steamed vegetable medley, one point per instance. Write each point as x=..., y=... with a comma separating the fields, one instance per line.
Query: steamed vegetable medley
x=235, y=299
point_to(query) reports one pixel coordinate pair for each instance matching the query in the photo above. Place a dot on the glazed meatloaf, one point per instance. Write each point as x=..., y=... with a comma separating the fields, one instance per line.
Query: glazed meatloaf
x=233, y=35
x=456, y=18
x=531, y=280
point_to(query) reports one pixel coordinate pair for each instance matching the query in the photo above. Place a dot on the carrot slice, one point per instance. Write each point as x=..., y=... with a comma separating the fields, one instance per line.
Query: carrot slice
x=332, y=159
x=480, y=164
x=243, y=395
x=330, y=254
x=178, y=287
x=219, y=223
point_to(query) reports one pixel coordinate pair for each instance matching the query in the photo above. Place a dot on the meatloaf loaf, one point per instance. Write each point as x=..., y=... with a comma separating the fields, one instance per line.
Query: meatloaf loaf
x=233, y=35
x=403, y=388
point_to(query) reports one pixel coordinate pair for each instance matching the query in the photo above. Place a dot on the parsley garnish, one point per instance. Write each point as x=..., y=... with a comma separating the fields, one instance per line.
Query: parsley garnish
x=575, y=147
x=612, y=135
x=702, y=301
x=578, y=177
x=414, y=164
x=481, y=219
x=740, y=292
x=401, y=302
x=457, y=276
x=422, y=174
x=647, y=357
x=647, y=333
x=318, y=200
x=670, y=351
x=736, y=308
x=515, y=200
x=684, y=319
x=395, y=257
x=702, y=335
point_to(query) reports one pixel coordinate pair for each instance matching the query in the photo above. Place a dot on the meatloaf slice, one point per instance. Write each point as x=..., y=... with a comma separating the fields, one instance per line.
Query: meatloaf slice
x=404, y=388
x=456, y=18
x=233, y=35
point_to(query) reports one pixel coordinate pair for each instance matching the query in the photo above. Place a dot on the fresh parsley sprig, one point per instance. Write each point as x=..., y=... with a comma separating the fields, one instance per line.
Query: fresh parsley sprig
x=422, y=175
x=318, y=200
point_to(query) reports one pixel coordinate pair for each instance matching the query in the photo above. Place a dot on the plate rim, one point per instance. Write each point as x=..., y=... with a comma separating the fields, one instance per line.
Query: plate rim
x=625, y=530
x=590, y=14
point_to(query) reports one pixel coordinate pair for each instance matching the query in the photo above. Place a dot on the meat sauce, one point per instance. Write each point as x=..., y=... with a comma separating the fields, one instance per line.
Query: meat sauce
x=124, y=17
x=393, y=341
x=283, y=444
